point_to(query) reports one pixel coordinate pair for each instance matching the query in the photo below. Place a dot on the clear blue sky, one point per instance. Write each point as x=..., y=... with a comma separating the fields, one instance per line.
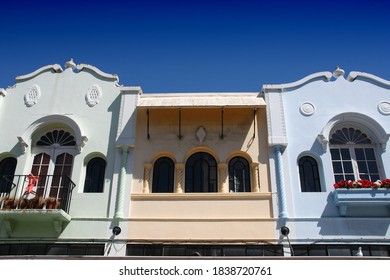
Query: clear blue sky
x=197, y=46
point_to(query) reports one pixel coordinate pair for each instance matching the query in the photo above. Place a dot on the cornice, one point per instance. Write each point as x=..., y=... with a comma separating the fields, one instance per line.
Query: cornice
x=82, y=67
x=326, y=76
x=353, y=75
x=54, y=67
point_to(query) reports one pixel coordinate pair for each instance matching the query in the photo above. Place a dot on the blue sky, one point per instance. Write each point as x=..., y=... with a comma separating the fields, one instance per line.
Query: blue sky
x=197, y=46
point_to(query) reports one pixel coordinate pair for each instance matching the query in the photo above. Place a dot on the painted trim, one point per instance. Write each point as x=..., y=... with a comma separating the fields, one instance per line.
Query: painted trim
x=81, y=67
x=357, y=75
x=54, y=67
x=326, y=76
x=358, y=120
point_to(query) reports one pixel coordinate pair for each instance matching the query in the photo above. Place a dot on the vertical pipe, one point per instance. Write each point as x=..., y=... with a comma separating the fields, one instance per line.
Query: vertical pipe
x=254, y=123
x=120, y=195
x=147, y=124
x=180, y=123
x=280, y=182
x=222, y=123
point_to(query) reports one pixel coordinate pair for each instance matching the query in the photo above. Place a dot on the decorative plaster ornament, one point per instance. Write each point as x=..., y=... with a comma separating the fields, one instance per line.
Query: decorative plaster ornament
x=201, y=134
x=307, y=109
x=384, y=108
x=93, y=95
x=32, y=96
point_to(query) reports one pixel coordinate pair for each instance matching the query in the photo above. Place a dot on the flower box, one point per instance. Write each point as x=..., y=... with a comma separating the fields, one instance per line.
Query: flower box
x=362, y=201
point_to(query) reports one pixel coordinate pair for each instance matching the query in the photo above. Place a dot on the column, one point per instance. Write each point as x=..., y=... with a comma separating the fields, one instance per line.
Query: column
x=179, y=170
x=255, y=177
x=223, y=178
x=280, y=182
x=147, y=178
x=120, y=195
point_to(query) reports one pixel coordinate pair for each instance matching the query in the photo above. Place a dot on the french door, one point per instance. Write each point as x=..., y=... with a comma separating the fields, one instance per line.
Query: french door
x=54, y=167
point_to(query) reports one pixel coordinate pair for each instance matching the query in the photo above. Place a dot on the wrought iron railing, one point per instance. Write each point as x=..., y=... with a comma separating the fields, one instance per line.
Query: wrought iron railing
x=35, y=192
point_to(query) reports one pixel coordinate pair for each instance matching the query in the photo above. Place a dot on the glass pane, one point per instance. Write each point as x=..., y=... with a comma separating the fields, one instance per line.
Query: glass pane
x=335, y=154
x=319, y=250
x=345, y=154
x=370, y=154
x=348, y=167
x=360, y=154
x=374, y=177
x=339, y=251
x=379, y=251
x=338, y=178
x=372, y=167
x=337, y=167
x=174, y=251
x=349, y=177
x=362, y=167
x=234, y=251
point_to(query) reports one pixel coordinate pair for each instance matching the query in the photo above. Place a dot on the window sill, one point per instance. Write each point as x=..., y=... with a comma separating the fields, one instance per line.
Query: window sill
x=201, y=196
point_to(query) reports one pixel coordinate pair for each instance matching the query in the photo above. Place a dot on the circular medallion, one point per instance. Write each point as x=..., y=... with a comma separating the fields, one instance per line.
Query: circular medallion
x=307, y=109
x=384, y=108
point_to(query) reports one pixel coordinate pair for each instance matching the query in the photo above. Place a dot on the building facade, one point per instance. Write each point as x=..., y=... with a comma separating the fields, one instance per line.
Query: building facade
x=201, y=177
x=90, y=167
x=59, y=162
x=328, y=129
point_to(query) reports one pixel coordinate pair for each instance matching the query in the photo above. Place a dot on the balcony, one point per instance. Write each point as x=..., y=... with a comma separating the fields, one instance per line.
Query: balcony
x=40, y=201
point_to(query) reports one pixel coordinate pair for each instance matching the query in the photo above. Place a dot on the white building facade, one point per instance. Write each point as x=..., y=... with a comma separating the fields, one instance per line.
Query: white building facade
x=60, y=161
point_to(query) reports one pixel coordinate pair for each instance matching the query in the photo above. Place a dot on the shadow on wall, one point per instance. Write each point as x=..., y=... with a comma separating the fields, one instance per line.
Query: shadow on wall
x=369, y=225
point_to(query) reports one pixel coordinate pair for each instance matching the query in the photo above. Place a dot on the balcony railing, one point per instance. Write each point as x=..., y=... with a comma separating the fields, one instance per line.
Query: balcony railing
x=40, y=192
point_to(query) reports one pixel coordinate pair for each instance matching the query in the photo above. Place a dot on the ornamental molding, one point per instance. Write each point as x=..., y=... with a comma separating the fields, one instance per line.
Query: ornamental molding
x=368, y=77
x=32, y=96
x=356, y=120
x=384, y=108
x=96, y=71
x=93, y=95
x=325, y=76
x=56, y=68
x=307, y=109
x=201, y=134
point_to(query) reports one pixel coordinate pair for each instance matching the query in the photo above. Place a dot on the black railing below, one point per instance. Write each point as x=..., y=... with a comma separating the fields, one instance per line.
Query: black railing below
x=36, y=192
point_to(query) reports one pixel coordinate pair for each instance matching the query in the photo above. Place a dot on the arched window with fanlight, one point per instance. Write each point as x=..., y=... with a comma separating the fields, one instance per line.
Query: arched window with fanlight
x=201, y=173
x=7, y=172
x=163, y=175
x=353, y=154
x=309, y=174
x=239, y=175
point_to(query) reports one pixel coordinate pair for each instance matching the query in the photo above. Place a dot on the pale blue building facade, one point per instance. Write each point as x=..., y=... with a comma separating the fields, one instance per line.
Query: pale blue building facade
x=325, y=128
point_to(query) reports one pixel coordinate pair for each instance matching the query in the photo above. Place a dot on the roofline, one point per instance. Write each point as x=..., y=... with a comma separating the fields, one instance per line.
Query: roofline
x=81, y=67
x=353, y=75
x=326, y=76
x=53, y=67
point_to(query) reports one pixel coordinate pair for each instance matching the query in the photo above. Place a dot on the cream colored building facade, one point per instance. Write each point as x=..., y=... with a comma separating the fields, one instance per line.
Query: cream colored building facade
x=201, y=174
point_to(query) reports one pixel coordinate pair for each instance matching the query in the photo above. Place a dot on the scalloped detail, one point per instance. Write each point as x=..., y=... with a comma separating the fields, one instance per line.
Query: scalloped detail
x=32, y=96
x=93, y=95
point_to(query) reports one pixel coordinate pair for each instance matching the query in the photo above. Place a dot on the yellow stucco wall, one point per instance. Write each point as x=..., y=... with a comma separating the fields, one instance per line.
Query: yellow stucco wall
x=201, y=216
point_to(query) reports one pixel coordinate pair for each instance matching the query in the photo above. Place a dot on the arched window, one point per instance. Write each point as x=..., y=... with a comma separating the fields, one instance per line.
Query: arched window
x=163, y=174
x=201, y=173
x=309, y=175
x=239, y=178
x=94, y=178
x=7, y=172
x=353, y=155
